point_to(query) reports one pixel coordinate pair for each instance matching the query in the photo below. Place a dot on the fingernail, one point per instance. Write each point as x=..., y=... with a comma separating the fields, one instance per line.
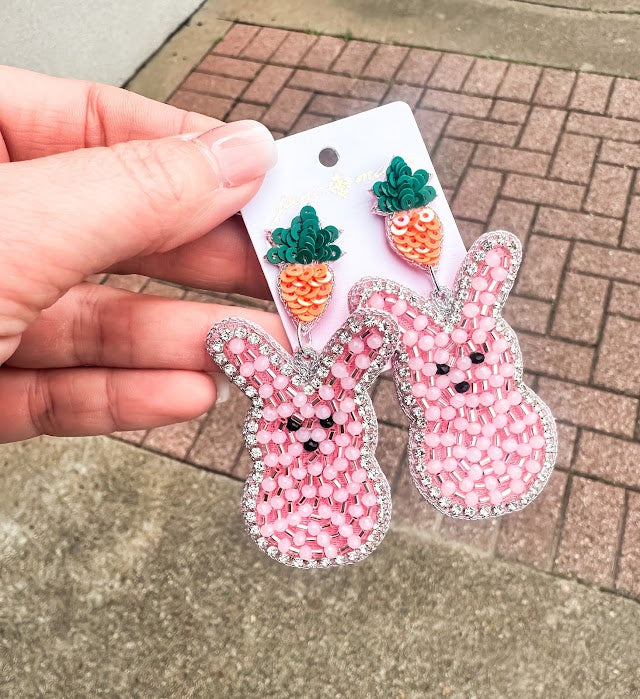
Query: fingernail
x=240, y=151
x=223, y=390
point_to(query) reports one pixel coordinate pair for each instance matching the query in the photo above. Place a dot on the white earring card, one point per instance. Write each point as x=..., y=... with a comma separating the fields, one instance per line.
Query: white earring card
x=356, y=152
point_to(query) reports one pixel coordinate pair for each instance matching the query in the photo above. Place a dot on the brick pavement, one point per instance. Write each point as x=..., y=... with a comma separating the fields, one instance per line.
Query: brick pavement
x=549, y=154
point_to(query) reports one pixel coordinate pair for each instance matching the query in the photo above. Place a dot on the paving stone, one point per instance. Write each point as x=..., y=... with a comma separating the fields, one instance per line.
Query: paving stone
x=385, y=402
x=554, y=87
x=607, y=458
x=591, y=93
x=404, y=93
x=625, y=99
x=455, y=103
x=244, y=110
x=264, y=44
x=603, y=127
x=390, y=451
x=323, y=53
x=410, y=509
x=618, y=365
x=580, y=308
x=631, y=235
x=608, y=190
x=339, y=106
x=470, y=231
x=629, y=567
x=513, y=216
x=480, y=535
x=286, y=108
x=543, y=191
x=542, y=129
x=229, y=67
x=625, y=299
x=571, y=224
x=159, y=288
x=620, y=153
x=451, y=159
x=544, y=355
x=593, y=408
x=131, y=436
x=216, y=107
x=236, y=39
x=527, y=314
x=477, y=193
x=511, y=160
x=519, y=82
x=510, y=112
x=451, y=71
x=385, y=62
x=567, y=436
x=542, y=267
x=431, y=125
x=310, y=121
x=267, y=84
x=417, y=67
x=573, y=161
x=606, y=262
x=589, y=539
x=484, y=77
x=129, y=282
x=354, y=57
x=292, y=50
x=529, y=536
x=372, y=90
x=214, y=85
x=482, y=131
x=175, y=440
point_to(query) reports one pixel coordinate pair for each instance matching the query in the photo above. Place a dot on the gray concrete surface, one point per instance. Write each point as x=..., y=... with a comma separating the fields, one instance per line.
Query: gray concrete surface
x=106, y=41
x=126, y=574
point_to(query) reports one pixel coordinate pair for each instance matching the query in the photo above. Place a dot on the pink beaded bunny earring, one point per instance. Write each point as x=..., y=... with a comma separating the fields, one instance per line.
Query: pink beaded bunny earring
x=481, y=443
x=316, y=496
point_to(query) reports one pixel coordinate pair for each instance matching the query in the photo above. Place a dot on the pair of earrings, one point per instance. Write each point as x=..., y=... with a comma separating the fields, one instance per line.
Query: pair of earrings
x=481, y=443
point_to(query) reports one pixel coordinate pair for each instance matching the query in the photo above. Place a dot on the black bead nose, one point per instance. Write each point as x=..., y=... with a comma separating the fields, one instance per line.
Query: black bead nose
x=462, y=387
x=310, y=445
x=442, y=369
x=293, y=424
x=327, y=421
x=476, y=357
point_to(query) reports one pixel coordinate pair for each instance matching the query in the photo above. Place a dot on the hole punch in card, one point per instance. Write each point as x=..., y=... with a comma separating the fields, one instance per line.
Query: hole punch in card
x=333, y=168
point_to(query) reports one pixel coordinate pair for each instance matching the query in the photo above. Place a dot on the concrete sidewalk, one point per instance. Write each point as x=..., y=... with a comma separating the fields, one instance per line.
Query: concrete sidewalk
x=128, y=574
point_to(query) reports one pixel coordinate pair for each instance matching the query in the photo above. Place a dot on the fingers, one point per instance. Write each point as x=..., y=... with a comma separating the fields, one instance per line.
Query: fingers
x=41, y=115
x=222, y=260
x=74, y=402
x=99, y=326
x=66, y=216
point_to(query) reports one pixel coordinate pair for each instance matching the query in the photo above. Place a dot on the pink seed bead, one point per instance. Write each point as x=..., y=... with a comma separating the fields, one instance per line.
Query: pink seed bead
x=266, y=530
x=459, y=336
x=314, y=468
x=261, y=363
x=293, y=519
x=420, y=323
x=442, y=340
x=362, y=362
x=487, y=399
x=492, y=358
x=499, y=274
x=450, y=464
x=352, y=453
x=433, y=393
x=410, y=338
x=466, y=485
x=524, y=449
x=348, y=405
x=492, y=258
x=236, y=345
x=375, y=341
x=280, y=525
x=354, y=428
x=537, y=442
x=458, y=400
x=247, y=369
x=327, y=447
x=399, y=307
x=356, y=510
x=495, y=380
x=474, y=428
x=463, y=363
x=472, y=400
x=323, y=411
x=366, y=524
x=337, y=518
x=429, y=369
x=331, y=551
x=487, y=298
x=303, y=434
x=345, y=530
x=479, y=336
x=434, y=466
x=348, y=383
x=500, y=345
x=342, y=440
x=318, y=434
x=339, y=370
x=291, y=495
x=280, y=382
x=432, y=413
x=507, y=370
x=299, y=472
x=359, y=475
x=354, y=541
x=295, y=449
x=263, y=436
x=329, y=472
x=265, y=391
x=514, y=472
x=340, y=495
x=299, y=399
x=323, y=539
x=474, y=455
x=340, y=417
x=461, y=423
x=495, y=452
x=277, y=502
x=432, y=440
x=499, y=467
x=369, y=499
x=457, y=375
x=354, y=488
x=309, y=491
x=509, y=445
x=279, y=437
x=314, y=528
x=532, y=466
x=487, y=323
x=419, y=390
x=425, y=343
x=502, y=406
x=285, y=410
x=306, y=553
x=356, y=345
x=483, y=443
x=531, y=418
x=479, y=283
x=441, y=356
x=271, y=460
x=490, y=482
x=326, y=392
x=482, y=372
x=459, y=451
x=470, y=310
x=376, y=301
x=471, y=499
x=518, y=427
x=448, y=488
x=306, y=509
x=495, y=497
x=263, y=508
x=448, y=413
x=517, y=487
x=488, y=430
x=340, y=464
x=269, y=413
x=416, y=363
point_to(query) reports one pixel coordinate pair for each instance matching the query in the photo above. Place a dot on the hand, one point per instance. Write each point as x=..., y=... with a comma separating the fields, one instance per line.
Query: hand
x=97, y=179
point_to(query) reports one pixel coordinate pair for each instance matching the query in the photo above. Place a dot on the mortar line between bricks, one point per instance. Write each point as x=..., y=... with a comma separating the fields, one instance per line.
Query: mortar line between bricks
x=554, y=153
x=601, y=327
x=598, y=387
x=620, y=539
x=531, y=106
x=555, y=547
x=627, y=206
x=610, y=95
x=587, y=187
x=463, y=174
x=562, y=277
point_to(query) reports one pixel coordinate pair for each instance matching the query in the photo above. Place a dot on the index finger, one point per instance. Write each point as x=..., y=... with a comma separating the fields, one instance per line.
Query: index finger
x=42, y=115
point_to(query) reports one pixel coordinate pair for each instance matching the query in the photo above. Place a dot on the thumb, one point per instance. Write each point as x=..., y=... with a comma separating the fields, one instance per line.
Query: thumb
x=69, y=215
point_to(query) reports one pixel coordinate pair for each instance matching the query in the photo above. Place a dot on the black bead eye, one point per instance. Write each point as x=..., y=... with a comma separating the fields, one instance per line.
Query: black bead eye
x=442, y=369
x=310, y=445
x=462, y=387
x=293, y=423
x=476, y=357
x=327, y=421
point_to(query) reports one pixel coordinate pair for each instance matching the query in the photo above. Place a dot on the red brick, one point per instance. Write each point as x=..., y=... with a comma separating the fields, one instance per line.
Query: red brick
x=385, y=62
x=554, y=87
x=590, y=407
x=542, y=191
x=483, y=131
x=608, y=190
x=130, y=436
x=129, y=282
x=431, y=125
x=580, y=308
x=565, y=360
x=519, y=82
x=229, y=67
x=242, y=110
x=323, y=53
x=530, y=535
x=264, y=44
x=309, y=121
x=338, y=106
x=450, y=160
x=618, y=367
x=175, y=440
x=629, y=567
x=603, y=127
x=620, y=153
x=368, y=89
x=527, y=314
x=510, y=112
x=158, y=288
x=570, y=224
x=477, y=193
x=266, y=86
x=288, y=106
x=417, y=67
x=631, y=235
x=607, y=458
x=391, y=449
x=606, y=262
x=589, y=537
x=321, y=82
x=410, y=509
x=450, y=72
x=512, y=216
x=292, y=50
x=574, y=158
x=403, y=93
x=542, y=267
x=484, y=77
x=511, y=160
x=215, y=107
x=455, y=103
x=542, y=129
x=567, y=437
x=354, y=57
x=385, y=401
x=470, y=231
x=236, y=39
x=591, y=93
x=625, y=99
x=479, y=535
x=625, y=299
x=214, y=85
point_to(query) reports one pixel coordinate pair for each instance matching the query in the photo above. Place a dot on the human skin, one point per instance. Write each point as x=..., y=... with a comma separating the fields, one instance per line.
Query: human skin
x=97, y=179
